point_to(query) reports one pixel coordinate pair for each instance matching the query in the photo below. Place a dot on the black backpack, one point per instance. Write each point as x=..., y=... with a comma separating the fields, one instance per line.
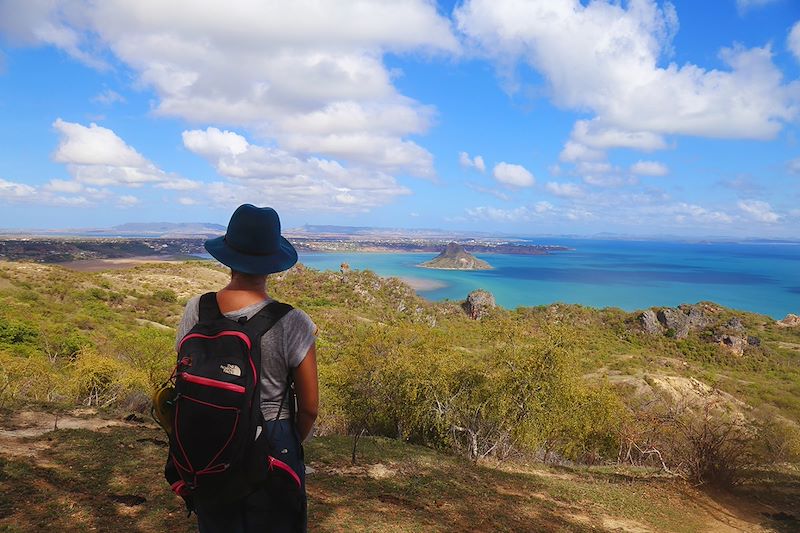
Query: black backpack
x=218, y=450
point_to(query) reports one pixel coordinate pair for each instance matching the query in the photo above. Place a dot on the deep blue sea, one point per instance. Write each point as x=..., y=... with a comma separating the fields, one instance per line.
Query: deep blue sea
x=759, y=277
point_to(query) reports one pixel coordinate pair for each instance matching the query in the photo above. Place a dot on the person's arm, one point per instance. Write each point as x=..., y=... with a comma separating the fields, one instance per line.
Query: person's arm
x=306, y=387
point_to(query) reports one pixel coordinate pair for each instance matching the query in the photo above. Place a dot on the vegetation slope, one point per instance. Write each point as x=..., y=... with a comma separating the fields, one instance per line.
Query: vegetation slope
x=549, y=418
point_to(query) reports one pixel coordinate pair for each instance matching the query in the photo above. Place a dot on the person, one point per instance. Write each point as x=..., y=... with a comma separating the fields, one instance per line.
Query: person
x=253, y=248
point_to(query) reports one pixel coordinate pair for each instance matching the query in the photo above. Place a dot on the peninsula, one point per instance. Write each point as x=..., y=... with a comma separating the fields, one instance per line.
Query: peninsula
x=455, y=257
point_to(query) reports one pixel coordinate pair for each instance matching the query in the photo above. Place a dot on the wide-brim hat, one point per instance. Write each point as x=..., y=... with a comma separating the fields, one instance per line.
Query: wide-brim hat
x=253, y=243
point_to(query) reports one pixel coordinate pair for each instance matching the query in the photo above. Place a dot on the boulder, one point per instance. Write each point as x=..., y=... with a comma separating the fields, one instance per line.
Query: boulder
x=478, y=303
x=735, y=324
x=791, y=321
x=696, y=315
x=753, y=341
x=649, y=323
x=733, y=343
x=675, y=320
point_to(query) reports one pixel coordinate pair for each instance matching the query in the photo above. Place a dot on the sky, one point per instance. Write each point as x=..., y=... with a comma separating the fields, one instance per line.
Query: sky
x=524, y=117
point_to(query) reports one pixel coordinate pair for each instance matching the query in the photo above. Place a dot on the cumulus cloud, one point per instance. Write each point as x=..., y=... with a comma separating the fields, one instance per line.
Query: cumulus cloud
x=649, y=168
x=471, y=162
x=564, y=190
x=308, y=76
x=515, y=175
x=605, y=57
x=277, y=177
x=793, y=41
x=95, y=155
x=12, y=191
x=55, y=193
x=758, y=210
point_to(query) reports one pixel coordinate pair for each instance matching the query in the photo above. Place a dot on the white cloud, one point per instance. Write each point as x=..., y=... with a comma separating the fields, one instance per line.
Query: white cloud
x=468, y=162
x=575, y=151
x=758, y=210
x=515, y=175
x=213, y=142
x=93, y=145
x=649, y=168
x=108, y=97
x=793, y=166
x=793, y=41
x=277, y=177
x=564, y=190
x=185, y=200
x=10, y=190
x=97, y=156
x=307, y=76
x=602, y=180
x=495, y=214
x=605, y=57
x=127, y=200
x=61, y=186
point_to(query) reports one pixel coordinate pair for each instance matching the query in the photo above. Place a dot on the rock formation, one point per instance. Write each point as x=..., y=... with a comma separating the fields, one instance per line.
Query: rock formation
x=454, y=257
x=478, y=303
x=650, y=323
x=676, y=323
x=791, y=321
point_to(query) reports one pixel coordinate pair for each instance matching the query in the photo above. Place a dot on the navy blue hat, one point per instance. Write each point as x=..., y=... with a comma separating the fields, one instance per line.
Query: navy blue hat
x=253, y=242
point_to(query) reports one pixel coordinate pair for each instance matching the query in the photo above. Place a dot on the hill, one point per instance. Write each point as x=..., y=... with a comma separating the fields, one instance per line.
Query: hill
x=455, y=257
x=555, y=417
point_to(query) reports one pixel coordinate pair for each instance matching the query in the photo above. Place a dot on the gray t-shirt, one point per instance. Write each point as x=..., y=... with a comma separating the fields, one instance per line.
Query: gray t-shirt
x=283, y=348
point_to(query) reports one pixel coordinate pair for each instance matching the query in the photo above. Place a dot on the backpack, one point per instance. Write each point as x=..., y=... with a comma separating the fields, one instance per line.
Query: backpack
x=218, y=449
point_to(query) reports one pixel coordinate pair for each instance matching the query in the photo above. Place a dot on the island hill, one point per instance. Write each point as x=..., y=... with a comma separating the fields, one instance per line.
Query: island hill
x=455, y=257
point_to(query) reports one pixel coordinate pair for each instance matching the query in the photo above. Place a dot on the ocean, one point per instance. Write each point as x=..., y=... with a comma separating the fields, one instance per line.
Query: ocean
x=757, y=277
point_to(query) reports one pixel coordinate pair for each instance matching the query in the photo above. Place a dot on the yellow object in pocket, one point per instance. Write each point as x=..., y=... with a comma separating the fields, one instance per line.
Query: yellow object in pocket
x=163, y=408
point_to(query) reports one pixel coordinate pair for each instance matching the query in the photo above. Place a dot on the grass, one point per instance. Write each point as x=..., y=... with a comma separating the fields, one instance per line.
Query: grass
x=110, y=480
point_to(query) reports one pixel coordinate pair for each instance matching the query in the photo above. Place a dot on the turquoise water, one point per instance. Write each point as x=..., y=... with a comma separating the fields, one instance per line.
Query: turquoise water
x=763, y=278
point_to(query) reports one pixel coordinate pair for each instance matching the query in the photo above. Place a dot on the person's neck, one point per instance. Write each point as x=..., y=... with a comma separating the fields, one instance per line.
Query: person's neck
x=236, y=295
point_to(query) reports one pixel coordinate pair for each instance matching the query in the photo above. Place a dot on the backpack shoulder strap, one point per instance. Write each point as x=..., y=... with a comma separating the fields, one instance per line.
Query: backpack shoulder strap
x=267, y=317
x=208, y=309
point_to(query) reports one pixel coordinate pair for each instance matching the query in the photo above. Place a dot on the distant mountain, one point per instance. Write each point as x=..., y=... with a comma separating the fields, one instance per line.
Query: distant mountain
x=455, y=257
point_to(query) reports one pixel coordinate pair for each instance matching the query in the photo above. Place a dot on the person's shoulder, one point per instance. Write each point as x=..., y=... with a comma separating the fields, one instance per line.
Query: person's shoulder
x=298, y=319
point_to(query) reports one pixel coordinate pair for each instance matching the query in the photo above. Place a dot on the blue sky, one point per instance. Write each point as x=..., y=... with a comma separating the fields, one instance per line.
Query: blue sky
x=512, y=116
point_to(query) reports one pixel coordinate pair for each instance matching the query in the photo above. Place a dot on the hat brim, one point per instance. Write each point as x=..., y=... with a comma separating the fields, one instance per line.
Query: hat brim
x=284, y=258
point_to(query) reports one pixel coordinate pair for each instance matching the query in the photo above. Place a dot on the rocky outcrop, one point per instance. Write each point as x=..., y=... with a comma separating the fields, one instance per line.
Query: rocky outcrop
x=733, y=343
x=677, y=322
x=478, y=303
x=455, y=257
x=791, y=321
x=696, y=316
x=650, y=323
x=674, y=321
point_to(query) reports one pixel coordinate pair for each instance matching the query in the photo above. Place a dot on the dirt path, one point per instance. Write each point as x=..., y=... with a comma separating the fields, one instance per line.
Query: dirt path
x=15, y=432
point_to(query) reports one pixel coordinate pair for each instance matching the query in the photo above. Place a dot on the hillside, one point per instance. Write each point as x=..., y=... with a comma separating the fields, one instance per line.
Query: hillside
x=455, y=257
x=601, y=393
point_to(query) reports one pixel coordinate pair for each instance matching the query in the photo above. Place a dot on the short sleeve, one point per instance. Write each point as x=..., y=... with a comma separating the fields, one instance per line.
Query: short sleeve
x=191, y=314
x=299, y=333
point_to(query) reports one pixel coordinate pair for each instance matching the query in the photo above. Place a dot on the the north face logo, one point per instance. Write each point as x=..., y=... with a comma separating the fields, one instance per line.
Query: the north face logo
x=233, y=370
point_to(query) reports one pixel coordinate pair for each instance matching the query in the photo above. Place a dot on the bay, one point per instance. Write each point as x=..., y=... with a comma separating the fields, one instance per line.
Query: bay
x=757, y=277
